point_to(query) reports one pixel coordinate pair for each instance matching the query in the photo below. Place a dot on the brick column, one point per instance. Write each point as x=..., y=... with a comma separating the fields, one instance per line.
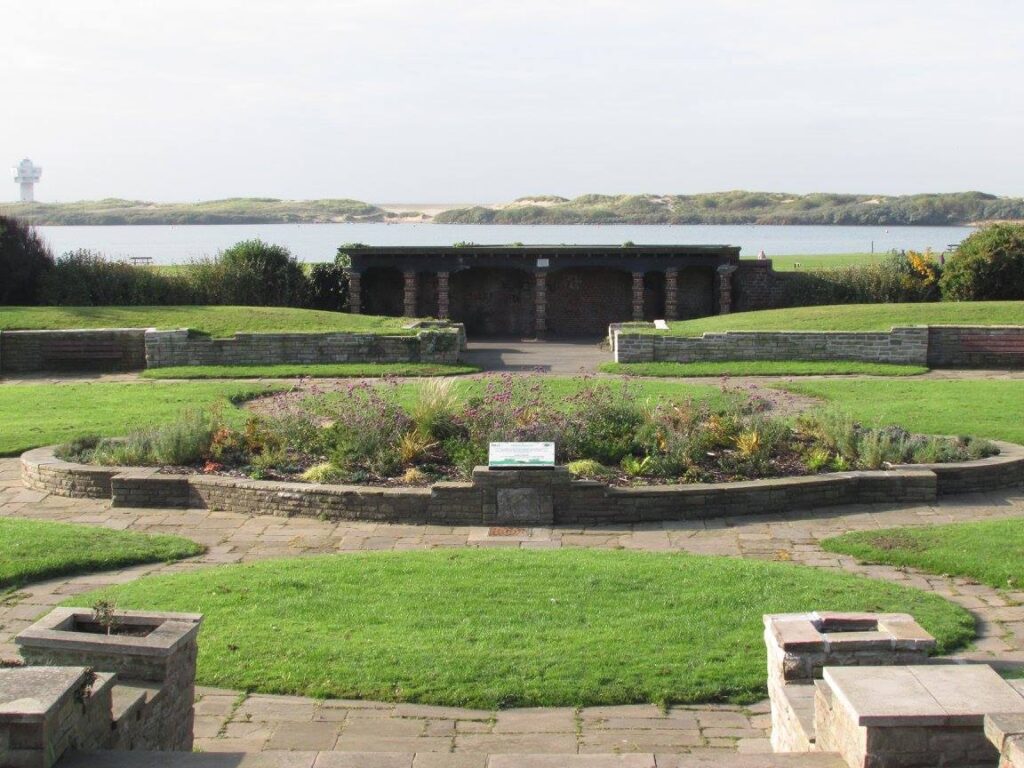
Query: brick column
x=442, y=296
x=671, y=294
x=540, y=297
x=638, y=295
x=409, y=294
x=725, y=288
x=354, y=302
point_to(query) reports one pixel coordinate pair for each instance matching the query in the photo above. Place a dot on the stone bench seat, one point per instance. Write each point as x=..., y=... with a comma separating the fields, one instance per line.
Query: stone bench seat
x=911, y=716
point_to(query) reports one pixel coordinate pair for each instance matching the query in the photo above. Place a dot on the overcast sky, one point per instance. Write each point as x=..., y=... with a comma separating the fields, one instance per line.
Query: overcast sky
x=487, y=100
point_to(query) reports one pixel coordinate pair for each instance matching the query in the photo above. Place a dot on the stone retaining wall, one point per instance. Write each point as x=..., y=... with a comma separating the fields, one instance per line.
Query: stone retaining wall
x=520, y=497
x=935, y=346
x=907, y=346
x=430, y=345
x=127, y=349
x=110, y=349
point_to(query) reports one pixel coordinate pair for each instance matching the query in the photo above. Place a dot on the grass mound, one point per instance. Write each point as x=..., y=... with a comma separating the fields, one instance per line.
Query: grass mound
x=216, y=321
x=44, y=414
x=991, y=409
x=991, y=552
x=504, y=628
x=857, y=317
x=32, y=550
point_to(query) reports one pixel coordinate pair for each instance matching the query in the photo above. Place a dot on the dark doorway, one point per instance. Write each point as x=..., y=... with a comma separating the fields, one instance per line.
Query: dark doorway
x=494, y=302
x=583, y=301
x=383, y=292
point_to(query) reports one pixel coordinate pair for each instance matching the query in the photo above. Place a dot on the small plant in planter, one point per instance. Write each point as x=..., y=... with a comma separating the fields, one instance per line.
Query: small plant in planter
x=104, y=613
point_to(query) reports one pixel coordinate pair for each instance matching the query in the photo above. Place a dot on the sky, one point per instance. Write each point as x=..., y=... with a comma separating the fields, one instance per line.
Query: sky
x=488, y=100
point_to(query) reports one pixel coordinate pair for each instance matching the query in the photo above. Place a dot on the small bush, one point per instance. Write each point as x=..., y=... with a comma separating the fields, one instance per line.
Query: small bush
x=902, y=277
x=587, y=469
x=328, y=288
x=987, y=266
x=24, y=260
x=323, y=473
x=251, y=273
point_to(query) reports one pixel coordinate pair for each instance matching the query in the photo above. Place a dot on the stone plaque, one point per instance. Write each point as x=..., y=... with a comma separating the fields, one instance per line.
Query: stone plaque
x=521, y=455
x=519, y=505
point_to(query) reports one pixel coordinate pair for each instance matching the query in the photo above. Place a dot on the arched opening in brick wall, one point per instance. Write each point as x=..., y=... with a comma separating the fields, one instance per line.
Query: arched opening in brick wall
x=583, y=301
x=696, y=290
x=382, y=292
x=426, y=294
x=654, y=296
x=494, y=302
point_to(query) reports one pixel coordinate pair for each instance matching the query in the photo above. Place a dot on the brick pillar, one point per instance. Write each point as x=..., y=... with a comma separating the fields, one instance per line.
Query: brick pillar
x=354, y=302
x=442, y=296
x=671, y=294
x=638, y=295
x=725, y=288
x=540, y=297
x=409, y=294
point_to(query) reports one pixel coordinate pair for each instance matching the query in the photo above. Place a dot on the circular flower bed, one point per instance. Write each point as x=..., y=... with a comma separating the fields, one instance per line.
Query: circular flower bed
x=383, y=434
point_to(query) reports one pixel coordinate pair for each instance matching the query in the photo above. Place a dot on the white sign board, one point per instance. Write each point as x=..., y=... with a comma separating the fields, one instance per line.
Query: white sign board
x=521, y=455
x=543, y=263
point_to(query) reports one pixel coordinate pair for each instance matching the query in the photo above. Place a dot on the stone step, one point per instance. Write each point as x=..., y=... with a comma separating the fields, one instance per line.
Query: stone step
x=287, y=759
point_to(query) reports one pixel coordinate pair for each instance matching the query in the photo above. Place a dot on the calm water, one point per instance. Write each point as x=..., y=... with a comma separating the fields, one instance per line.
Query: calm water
x=319, y=242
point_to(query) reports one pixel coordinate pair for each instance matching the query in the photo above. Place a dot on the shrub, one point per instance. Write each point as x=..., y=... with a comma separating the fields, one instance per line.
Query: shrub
x=366, y=430
x=85, y=278
x=252, y=273
x=603, y=423
x=435, y=409
x=24, y=260
x=587, y=469
x=987, y=266
x=328, y=287
x=325, y=472
x=902, y=277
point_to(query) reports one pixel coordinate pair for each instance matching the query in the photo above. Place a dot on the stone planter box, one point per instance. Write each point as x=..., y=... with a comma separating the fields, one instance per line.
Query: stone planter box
x=153, y=652
x=512, y=497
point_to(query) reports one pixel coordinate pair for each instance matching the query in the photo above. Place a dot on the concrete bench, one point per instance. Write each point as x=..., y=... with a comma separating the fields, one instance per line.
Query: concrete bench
x=911, y=716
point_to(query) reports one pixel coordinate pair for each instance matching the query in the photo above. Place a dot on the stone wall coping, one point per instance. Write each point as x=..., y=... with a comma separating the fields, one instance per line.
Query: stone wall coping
x=172, y=631
x=830, y=631
x=76, y=330
x=29, y=694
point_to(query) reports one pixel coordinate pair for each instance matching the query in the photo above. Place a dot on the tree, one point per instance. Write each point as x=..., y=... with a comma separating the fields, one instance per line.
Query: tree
x=988, y=265
x=24, y=259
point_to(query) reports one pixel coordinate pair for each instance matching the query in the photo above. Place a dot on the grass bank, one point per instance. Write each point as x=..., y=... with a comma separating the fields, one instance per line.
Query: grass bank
x=505, y=628
x=857, y=317
x=327, y=370
x=32, y=550
x=804, y=262
x=991, y=409
x=762, y=368
x=217, y=321
x=44, y=414
x=991, y=552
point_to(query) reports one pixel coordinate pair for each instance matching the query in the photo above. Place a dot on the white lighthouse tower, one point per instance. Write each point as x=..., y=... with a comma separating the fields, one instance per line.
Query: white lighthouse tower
x=27, y=174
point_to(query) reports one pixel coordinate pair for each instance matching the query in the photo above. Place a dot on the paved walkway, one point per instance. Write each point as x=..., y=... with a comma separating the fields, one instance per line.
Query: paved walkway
x=563, y=357
x=228, y=721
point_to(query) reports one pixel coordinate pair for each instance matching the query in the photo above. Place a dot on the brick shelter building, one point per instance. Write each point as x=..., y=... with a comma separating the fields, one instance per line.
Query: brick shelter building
x=539, y=290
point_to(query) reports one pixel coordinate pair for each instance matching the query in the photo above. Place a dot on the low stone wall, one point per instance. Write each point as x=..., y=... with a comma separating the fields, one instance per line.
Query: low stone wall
x=129, y=349
x=900, y=345
x=430, y=345
x=112, y=349
x=976, y=346
x=935, y=346
x=520, y=497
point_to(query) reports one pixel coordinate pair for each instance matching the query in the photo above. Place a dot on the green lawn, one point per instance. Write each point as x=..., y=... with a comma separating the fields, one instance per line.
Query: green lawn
x=823, y=261
x=217, y=321
x=329, y=370
x=991, y=552
x=44, y=414
x=857, y=317
x=762, y=368
x=506, y=628
x=991, y=409
x=31, y=550
x=560, y=387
